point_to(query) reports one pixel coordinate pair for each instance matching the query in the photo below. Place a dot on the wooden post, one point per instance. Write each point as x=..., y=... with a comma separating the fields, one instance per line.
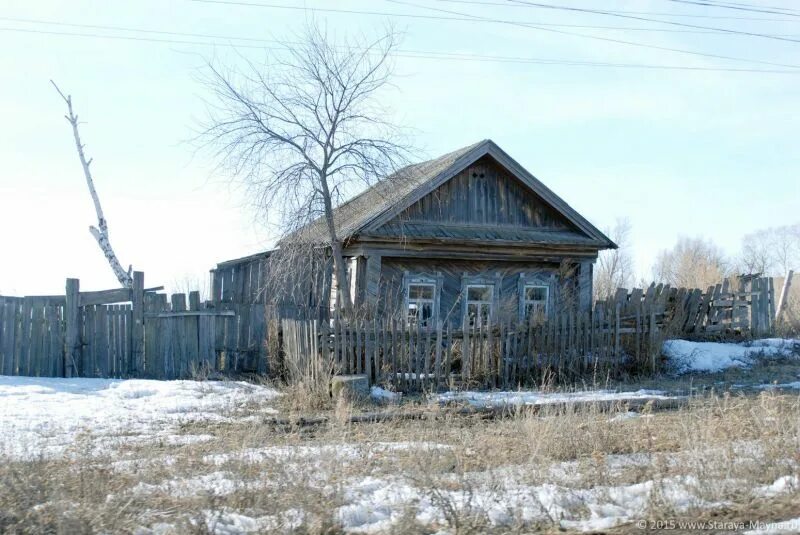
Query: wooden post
x=136, y=363
x=72, y=338
x=787, y=283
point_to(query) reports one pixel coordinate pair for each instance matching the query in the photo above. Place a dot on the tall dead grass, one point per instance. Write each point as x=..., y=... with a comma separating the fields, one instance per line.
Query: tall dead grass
x=296, y=479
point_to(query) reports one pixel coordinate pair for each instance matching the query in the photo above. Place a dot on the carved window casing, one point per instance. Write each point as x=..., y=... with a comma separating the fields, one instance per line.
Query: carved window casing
x=421, y=299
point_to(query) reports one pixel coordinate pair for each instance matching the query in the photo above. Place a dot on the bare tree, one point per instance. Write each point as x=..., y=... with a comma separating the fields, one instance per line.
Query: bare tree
x=756, y=256
x=100, y=232
x=614, y=268
x=772, y=251
x=303, y=130
x=692, y=263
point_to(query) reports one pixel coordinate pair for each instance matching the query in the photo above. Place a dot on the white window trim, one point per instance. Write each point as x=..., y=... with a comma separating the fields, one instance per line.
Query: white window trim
x=408, y=281
x=526, y=301
x=468, y=302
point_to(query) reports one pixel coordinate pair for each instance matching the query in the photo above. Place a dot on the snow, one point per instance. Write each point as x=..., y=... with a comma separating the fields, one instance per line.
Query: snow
x=381, y=394
x=376, y=504
x=781, y=485
x=686, y=356
x=228, y=522
x=534, y=397
x=45, y=417
x=213, y=484
x=786, y=386
x=232, y=523
x=313, y=454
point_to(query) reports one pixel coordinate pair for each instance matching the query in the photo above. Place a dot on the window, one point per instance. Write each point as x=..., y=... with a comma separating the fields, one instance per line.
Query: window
x=421, y=302
x=479, y=304
x=534, y=300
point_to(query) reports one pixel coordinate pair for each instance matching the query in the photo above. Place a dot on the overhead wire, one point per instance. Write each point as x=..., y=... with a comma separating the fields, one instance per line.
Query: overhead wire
x=405, y=53
x=656, y=13
x=553, y=30
x=658, y=21
x=752, y=9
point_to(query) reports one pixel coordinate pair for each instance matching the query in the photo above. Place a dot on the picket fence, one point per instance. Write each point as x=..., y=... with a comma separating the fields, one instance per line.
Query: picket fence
x=621, y=335
x=417, y=357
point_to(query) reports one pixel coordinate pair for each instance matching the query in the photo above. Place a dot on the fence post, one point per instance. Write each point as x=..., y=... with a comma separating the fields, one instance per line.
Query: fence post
x=136, y=365
x=72, y=338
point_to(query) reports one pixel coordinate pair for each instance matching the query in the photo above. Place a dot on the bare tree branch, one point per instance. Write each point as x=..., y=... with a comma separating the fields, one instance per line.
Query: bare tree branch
x=306, y=130
x=614, y=268
x=100, y=232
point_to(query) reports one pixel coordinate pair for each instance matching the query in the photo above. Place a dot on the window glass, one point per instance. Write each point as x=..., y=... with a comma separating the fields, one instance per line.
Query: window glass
x=534, y=301
x=479, y=304
x=421, y=298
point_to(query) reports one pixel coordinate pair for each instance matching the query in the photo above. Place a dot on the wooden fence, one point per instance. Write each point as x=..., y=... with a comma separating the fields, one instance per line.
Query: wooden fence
x=621, y=335
x=415, y=357
x=744, y=305
x=140, y=332
x=128, y=333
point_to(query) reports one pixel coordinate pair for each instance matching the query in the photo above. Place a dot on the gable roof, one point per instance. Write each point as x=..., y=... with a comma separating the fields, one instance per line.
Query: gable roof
x=387, y=198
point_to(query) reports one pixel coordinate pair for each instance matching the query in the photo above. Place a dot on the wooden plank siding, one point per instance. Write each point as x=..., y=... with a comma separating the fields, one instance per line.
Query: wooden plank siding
x=484, y=194
x=74, y=335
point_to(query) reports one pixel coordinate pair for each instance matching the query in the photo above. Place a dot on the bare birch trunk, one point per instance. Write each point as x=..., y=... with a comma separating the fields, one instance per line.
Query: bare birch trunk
x=100, y=232
x=342, y=283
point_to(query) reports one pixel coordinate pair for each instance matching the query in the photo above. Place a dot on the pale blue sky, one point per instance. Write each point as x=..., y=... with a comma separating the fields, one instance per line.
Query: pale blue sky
x=699, y=152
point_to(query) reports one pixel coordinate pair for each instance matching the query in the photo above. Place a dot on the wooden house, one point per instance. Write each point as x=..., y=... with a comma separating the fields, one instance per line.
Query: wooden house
x=468, y=237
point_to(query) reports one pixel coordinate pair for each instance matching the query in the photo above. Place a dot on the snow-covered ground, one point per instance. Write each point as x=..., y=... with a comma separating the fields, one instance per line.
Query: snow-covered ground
x=43, y=417
x=685, y=356
x=534, y=397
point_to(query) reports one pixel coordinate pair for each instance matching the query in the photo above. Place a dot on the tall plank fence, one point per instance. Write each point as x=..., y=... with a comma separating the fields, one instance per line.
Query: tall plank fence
x=128, y=333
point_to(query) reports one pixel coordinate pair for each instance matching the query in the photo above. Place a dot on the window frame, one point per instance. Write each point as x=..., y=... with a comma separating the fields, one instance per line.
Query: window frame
x=540, y=278
x=420, y=280
x=524, y=301
x=480, y=303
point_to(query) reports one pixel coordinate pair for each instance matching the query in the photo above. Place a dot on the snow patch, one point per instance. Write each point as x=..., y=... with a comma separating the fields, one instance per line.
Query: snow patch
x=532, y=397
x=381, y=394
x=785, y=386
x=44, y=417
x=686, y=356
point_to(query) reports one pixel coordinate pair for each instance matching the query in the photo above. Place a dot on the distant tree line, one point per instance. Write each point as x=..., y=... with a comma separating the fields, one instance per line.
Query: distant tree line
x=696, y=262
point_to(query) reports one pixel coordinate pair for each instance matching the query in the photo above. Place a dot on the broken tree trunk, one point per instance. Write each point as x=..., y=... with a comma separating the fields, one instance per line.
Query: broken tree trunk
x=100, y=232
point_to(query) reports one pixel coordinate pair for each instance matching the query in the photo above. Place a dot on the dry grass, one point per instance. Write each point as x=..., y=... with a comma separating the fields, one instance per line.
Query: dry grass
x=480, y=475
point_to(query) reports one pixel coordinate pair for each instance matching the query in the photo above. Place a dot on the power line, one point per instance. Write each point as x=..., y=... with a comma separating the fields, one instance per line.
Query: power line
x=565, y=32
x=656, y=13
x=670, y=22
x=669, y=30
x=417, y=54
x=739, y=8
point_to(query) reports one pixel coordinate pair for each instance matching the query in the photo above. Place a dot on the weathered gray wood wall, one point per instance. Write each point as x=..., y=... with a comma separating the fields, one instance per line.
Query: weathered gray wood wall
x=484, y=194
x=451, y=276
x=288, y=285
x=129, y=333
